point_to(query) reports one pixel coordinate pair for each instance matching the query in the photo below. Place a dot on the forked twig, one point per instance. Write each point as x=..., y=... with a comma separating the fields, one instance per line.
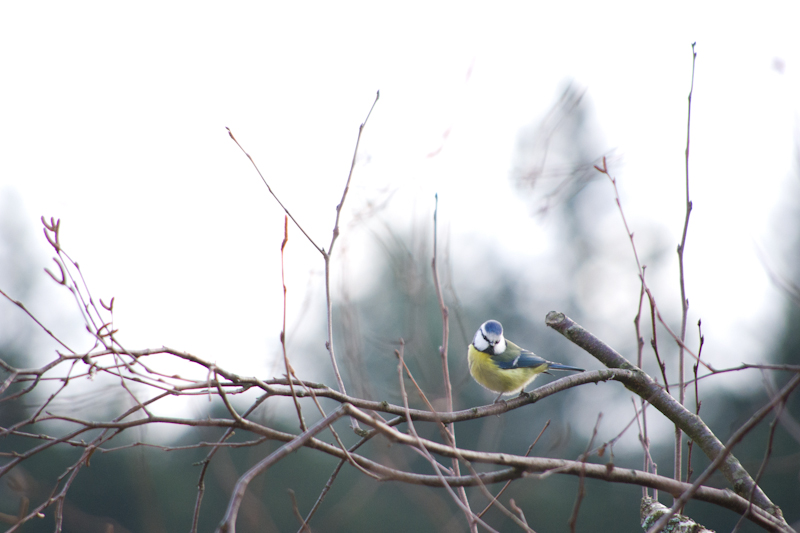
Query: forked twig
x=325, y=254
x=327, y=257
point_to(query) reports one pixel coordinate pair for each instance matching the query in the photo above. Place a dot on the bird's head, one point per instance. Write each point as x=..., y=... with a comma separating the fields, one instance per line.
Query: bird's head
x=489, y=338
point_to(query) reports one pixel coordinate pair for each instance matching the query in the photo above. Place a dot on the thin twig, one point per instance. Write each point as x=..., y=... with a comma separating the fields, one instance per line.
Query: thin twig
x=472, y=519
x=36, y=320
x=443, y=349
x=287, y=366
x=573, y=519
x=327, y=257
x=684, y=299
x=639, y=362
x=527, y=453
x=697, y=402
x=650, y=465
x=654, y=341
x=296, y=511
x=285, y=210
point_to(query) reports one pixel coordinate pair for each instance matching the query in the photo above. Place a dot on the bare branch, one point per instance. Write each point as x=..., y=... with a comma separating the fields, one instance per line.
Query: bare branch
x=228, y=524
x=719, y=460
x=644, y=386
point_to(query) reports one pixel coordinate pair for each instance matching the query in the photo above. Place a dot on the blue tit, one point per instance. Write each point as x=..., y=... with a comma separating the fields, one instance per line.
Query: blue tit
x=502, y=366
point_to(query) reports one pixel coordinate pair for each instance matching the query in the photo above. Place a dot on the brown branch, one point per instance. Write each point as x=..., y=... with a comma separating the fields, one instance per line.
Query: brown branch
x=336, y=470
x=207, y=461
x=228, y=524
x=519, y=466
x=644, y=386
x=719, y=460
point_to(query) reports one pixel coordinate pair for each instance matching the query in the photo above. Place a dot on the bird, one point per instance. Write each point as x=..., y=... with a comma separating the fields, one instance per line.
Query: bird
x=501, y=366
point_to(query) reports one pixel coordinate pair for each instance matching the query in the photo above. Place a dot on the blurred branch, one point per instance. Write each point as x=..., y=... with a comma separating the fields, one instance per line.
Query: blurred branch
x=443, y=349
x=791, y=289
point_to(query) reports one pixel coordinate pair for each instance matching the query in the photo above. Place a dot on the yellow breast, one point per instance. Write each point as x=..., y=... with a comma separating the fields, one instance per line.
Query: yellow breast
x=496, y=379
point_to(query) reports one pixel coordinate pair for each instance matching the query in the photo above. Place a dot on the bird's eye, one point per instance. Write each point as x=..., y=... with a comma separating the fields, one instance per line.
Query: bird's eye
x=486, y=339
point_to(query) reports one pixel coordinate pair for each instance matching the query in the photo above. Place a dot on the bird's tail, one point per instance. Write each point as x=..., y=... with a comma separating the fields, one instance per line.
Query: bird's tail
x=559, y=366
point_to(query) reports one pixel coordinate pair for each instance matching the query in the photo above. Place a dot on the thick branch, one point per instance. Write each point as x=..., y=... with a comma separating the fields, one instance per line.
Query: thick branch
x=644, y=386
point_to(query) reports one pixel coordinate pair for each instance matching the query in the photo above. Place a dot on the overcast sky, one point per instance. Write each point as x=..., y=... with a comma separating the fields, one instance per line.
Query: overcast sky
x=114, y=120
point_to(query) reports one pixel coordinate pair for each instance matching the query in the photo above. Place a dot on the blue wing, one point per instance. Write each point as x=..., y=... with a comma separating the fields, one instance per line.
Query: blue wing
x=527, y=359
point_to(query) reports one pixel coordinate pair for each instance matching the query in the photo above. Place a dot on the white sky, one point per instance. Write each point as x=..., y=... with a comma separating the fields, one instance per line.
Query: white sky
x=114, y=121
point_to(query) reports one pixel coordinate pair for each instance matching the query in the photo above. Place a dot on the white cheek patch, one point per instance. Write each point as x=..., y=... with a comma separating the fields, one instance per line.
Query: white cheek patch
x=500, y=347
x=480, y=343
